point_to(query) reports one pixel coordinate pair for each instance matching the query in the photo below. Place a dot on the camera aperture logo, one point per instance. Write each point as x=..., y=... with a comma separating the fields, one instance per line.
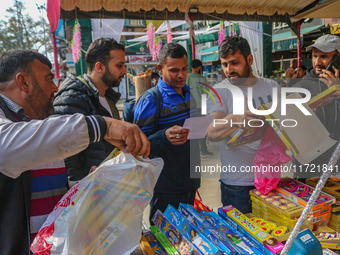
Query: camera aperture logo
x=239, y=105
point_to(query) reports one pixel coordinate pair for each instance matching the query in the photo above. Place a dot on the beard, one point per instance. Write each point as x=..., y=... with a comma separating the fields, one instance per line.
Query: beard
x=242, y=78
x=110, y=80
x=41, y=106
x=321, y=67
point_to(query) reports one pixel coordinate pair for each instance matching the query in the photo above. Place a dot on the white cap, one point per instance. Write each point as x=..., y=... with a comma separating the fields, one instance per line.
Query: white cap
x=326, y=43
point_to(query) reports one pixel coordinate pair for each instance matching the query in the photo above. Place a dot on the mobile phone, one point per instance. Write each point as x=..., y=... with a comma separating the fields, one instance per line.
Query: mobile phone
x=334, y=62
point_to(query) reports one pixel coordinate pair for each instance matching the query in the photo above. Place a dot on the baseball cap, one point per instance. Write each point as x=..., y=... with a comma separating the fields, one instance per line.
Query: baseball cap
x=326, y=43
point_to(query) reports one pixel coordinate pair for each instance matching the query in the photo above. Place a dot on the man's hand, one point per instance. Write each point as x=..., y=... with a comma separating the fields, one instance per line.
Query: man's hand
x=127, y=137
x=330, y=78
x=290, y=72
x=177, y=135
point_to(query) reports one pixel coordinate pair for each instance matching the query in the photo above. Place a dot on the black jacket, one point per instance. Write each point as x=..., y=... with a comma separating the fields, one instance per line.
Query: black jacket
x=74, y=96
x=328, y=114
x=15, y=197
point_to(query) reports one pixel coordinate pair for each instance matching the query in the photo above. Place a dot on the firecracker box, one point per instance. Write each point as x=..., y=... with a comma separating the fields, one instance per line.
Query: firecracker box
x=331, y=187
x=278, y=203
x=300, y=193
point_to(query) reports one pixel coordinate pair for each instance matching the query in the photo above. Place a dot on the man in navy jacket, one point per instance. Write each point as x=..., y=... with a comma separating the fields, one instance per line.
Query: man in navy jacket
x=168, y=138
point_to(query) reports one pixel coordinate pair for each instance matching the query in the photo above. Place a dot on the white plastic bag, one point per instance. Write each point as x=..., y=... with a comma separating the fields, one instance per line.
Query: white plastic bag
x=102, y=214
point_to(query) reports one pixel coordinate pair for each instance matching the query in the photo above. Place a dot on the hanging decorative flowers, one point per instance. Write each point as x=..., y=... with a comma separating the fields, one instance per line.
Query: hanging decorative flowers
x=221, y=33
x=168, y=33
x=158, y=46
x=234, y=29
x=76, y=42
x=154, y=44
x=150, y=32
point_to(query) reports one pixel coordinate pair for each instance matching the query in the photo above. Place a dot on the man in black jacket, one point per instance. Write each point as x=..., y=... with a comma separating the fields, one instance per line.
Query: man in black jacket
x=91, y=94
x=316, y=81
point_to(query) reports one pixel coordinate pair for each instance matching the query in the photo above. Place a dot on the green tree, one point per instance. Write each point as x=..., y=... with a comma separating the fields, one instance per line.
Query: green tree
x=20, y=31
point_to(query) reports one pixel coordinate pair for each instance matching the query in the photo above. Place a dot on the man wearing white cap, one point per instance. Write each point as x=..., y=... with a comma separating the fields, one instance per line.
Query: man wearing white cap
x=318, y=79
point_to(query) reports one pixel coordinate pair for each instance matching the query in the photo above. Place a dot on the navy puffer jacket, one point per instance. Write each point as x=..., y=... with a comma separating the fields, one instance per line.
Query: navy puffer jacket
x=75, y=96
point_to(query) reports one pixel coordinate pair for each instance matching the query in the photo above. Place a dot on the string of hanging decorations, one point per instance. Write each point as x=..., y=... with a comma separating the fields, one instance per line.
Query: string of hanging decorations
x=76, y=42
x=154, y=44
x=168, y=33
x=232, y=30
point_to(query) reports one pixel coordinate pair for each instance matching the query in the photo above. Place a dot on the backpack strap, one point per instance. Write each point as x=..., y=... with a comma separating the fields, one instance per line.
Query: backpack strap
x=81, y=78
x=157, y=96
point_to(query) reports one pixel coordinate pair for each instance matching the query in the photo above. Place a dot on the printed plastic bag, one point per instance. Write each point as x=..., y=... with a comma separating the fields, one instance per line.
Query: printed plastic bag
x=269, y=158
x=102, y=214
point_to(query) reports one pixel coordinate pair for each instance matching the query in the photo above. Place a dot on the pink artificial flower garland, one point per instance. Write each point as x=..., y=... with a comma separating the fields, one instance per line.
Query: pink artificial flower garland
x=76, y=42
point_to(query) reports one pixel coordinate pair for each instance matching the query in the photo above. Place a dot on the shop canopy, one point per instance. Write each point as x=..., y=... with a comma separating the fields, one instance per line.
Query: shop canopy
x=256, y=10
x=328, y=9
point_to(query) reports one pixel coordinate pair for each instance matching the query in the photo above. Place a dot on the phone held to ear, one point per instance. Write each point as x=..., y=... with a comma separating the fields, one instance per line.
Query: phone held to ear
x=334, y=62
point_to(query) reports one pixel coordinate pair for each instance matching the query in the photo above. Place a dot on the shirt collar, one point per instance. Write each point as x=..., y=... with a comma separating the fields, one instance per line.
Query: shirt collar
x=14, y=107
x=168, y=89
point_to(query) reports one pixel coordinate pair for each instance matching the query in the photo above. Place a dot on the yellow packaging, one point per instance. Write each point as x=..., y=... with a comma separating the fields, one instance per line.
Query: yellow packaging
x=335, y=218
x=278, y=203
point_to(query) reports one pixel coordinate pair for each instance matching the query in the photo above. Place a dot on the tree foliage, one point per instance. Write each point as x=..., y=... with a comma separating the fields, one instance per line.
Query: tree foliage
x=20, y=31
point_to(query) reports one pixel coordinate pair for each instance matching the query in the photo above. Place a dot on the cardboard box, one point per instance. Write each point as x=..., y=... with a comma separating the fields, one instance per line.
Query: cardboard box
x=281, y=238
x=190, y=232
x=330, y=240
x=284, y=185
x=334, y=226
x=308, y=139
x=335, y=218
x=332, y=187
x=268, y=200
x=251, y=230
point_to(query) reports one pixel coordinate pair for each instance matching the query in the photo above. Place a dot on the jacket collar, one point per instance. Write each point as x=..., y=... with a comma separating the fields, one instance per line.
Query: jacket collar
x=15, y=108
x=310, y=73
x=113, y=95
x=168, y=89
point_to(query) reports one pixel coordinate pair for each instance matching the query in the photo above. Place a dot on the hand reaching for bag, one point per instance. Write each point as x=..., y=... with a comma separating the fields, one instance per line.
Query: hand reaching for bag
x=127, y=137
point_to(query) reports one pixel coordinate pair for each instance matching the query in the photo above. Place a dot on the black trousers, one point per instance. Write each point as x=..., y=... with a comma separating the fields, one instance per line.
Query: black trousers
x=160, y=201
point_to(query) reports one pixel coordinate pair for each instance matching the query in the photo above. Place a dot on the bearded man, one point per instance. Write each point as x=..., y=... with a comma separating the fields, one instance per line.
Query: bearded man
x=91, y=94
x=236, y=60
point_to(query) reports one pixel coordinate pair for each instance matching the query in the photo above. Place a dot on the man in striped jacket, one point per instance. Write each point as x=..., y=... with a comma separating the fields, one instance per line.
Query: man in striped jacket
x=30, y=139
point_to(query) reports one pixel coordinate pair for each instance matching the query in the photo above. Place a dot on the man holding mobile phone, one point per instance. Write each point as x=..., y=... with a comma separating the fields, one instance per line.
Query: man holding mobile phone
x=323, y=75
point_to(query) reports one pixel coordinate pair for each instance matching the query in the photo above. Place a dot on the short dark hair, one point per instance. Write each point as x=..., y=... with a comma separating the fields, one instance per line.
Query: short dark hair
x=232, y=44
x=99, y=51
x=154, y=75
x=303, y=67
x=172, y=50
x=14, y=61
x=196, y=63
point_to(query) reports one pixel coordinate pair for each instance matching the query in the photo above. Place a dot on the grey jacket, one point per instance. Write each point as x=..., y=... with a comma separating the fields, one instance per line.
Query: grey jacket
x=328, y=114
